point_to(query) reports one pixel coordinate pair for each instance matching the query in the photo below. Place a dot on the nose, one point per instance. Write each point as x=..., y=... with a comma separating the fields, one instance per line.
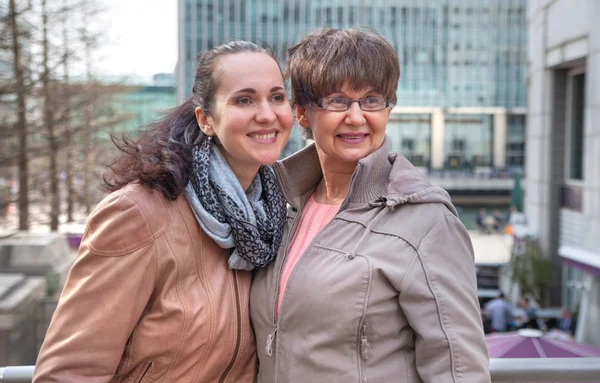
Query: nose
x=355, y=115
x=265, y=113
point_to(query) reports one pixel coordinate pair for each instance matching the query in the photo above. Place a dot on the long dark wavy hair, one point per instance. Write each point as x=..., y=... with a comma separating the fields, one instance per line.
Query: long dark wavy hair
x=160, y=158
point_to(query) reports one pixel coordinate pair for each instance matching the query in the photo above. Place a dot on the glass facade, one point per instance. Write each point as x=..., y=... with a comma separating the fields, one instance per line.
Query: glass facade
x=453, y=54
x=410, y=134
x=468, y=141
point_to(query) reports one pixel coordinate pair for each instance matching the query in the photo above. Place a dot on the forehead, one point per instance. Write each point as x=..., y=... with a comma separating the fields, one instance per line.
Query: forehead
x=353, y=91
x=247, y=70
x=346, y=86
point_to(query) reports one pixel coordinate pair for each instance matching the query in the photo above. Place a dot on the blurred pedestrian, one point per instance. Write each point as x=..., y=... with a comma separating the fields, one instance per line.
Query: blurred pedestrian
x=529, y=319
x=567, y=321
x=375, y=281
x=498, y=220
x=487, y=322
x=160, y=288
x=500, y=313
x=479, y=220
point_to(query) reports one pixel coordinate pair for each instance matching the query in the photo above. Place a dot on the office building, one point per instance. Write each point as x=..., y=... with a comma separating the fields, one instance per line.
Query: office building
x=563, y=149
x=462, y=93
x=140, y=104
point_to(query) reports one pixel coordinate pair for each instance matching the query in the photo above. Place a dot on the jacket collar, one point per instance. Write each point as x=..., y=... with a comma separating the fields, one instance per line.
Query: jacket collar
x=300, y=173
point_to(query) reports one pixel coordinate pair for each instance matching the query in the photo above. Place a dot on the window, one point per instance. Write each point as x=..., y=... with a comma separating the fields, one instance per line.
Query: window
x=575, y=124
x=410, y=134
x=468, y=141
x=515, y=141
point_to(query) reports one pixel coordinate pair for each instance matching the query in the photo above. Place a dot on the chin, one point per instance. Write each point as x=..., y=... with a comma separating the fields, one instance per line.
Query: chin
x=356, y=155
x=267, y=159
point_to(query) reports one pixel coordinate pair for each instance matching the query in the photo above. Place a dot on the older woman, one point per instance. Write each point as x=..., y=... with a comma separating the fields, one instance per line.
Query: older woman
x=375, y=280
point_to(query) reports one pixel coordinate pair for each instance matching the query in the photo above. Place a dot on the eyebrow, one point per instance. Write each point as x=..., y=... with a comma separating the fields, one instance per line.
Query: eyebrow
x=252, y=90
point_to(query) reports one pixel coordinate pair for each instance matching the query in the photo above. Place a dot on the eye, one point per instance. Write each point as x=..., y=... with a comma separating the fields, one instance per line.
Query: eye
x=243, y=101
x=278, y=98
x=338, y=101
x=372, y=100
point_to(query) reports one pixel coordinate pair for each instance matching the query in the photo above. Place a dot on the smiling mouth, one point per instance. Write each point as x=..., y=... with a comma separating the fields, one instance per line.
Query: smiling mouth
x=264, y=138
x=353, y=138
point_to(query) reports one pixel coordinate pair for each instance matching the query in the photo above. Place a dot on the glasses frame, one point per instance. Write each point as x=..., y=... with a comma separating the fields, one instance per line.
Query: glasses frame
x=319, y=102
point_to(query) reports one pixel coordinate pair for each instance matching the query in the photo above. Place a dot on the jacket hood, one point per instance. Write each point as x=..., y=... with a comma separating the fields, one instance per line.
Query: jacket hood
x=407, y=184
x=380, y=177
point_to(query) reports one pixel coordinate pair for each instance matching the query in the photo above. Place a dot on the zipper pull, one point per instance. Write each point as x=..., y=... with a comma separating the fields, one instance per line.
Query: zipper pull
x=381, y=201
x=365, y=347
x=270, y=338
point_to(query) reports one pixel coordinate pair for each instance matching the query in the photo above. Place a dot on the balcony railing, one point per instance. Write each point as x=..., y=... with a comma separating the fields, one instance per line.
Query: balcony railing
x=502, y=371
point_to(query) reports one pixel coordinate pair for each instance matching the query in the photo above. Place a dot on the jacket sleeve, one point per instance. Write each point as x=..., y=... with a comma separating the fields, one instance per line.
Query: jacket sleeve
x=104, y=296
x=438, y=295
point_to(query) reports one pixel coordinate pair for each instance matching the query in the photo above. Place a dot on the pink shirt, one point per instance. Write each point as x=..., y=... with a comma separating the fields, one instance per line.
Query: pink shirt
x=314, y=217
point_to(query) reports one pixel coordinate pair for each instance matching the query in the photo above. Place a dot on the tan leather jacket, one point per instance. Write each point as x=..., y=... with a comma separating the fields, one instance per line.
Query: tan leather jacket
x=150, y=298
x=385, y=292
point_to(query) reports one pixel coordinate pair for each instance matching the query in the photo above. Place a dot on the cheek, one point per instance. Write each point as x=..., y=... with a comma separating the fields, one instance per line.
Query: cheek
x=327, y=125
x=286, y=119
x=232, y=122
x=379, y=124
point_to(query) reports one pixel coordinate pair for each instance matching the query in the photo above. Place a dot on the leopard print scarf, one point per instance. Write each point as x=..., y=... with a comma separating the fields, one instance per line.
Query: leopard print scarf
x=251, y=221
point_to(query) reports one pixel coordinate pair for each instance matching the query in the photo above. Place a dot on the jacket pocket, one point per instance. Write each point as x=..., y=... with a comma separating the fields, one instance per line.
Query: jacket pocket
x=364, y=349
x=144, y=371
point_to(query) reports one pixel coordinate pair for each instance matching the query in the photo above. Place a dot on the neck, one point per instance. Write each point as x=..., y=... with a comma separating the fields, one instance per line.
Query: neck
x=244, y=172
x=333, y=187
x=245, y=177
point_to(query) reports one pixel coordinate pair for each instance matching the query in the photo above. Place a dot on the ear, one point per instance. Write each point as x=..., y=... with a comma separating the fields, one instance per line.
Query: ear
x=301, y=116
x=203, y=121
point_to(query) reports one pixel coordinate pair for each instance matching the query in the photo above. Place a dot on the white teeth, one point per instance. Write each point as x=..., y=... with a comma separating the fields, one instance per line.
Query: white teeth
x=352, y=137
x=264, y=136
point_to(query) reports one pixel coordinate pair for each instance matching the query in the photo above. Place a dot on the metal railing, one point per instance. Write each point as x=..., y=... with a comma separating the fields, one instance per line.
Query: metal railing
x=502, y=371
x=545, y=370
x=16, y=374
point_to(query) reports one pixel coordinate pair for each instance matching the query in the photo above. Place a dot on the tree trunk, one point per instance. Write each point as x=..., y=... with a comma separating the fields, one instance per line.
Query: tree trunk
x=67, y=122
x=21, y=122
x=49, y=121
x=87, y=132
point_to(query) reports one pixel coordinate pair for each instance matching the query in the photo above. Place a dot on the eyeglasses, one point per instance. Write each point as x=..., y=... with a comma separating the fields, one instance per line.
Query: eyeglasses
x=341, y=104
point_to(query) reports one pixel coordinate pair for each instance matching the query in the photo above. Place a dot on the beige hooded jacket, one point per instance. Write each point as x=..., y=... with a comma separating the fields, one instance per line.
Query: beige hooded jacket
x=386, y=292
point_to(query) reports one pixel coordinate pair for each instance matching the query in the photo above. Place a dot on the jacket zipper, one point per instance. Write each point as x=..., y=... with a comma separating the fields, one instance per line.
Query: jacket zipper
x=238, y=328
x=145, y=372
x=271, y=337
x=291, y=231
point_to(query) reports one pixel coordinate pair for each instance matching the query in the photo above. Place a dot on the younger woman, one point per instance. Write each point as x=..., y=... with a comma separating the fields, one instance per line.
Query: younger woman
x=159, y=290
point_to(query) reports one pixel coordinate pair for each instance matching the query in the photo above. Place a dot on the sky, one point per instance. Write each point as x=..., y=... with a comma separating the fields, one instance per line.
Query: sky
x=142, y=38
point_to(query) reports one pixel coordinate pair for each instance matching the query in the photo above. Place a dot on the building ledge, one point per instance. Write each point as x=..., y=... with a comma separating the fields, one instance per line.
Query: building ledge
x=582, y=259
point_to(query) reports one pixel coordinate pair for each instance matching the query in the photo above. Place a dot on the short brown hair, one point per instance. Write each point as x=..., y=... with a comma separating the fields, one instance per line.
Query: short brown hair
x=325, y=60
